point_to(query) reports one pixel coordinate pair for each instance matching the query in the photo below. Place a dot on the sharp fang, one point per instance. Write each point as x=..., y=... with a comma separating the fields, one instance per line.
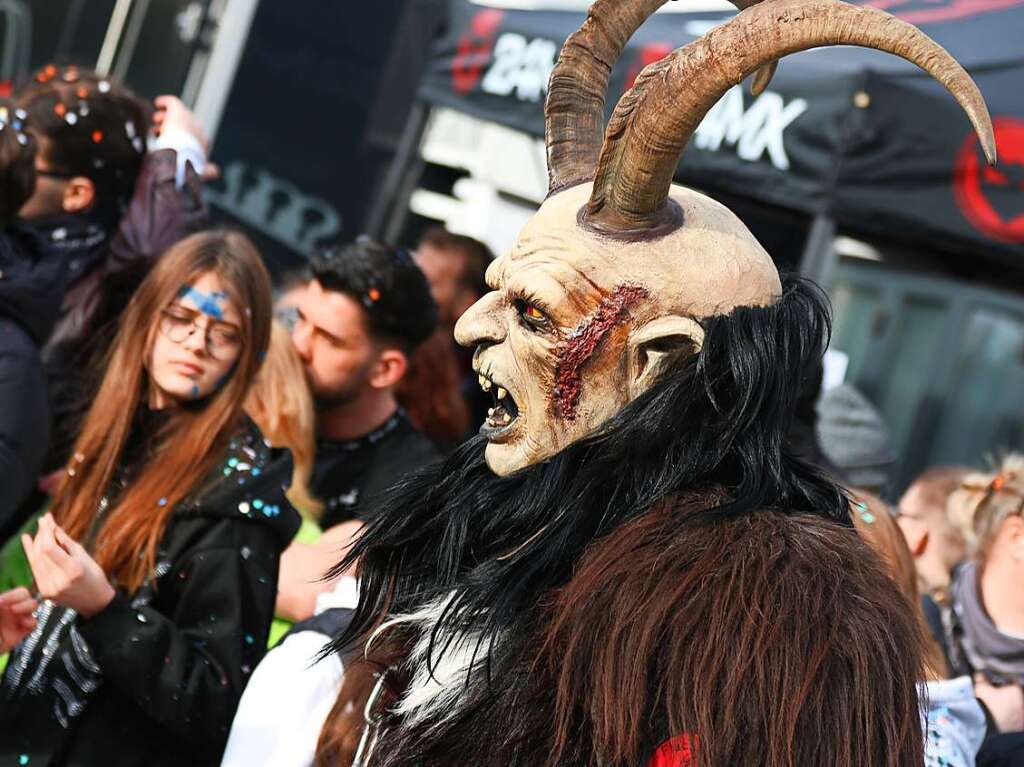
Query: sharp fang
x=501, y=393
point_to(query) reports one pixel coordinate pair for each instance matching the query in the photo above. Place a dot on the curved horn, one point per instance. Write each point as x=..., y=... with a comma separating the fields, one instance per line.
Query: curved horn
x=574, y=110
x=653, y=122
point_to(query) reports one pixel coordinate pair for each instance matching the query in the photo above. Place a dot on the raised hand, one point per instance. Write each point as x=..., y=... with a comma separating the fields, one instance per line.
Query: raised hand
x=63, y=570
x=17, y=619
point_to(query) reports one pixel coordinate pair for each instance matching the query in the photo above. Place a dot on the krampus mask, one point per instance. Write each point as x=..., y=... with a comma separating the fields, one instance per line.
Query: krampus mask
x=619, y=265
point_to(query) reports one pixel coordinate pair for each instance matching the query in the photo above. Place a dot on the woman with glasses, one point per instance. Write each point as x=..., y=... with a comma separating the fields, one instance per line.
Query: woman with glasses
x=157, y=567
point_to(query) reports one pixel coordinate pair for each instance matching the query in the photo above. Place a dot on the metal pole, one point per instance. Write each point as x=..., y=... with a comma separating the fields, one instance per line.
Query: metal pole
x=130, y=40
x=820, y=257
x=232, y=34
x=390, y=193
x=17, y=39
x=117, y=21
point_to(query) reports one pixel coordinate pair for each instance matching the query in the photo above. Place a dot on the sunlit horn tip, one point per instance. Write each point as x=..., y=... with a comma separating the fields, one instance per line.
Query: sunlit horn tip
x=988, y=146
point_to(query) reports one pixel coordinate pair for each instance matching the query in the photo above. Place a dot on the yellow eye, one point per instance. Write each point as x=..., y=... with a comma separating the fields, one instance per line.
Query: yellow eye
x=531, y=312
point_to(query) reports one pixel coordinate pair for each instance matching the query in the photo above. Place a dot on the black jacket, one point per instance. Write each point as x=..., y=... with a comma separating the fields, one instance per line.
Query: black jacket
x=155, y=678
x=31, y=287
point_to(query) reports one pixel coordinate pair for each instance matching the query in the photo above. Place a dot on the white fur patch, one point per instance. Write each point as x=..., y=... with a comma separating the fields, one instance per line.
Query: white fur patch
x=440, y=682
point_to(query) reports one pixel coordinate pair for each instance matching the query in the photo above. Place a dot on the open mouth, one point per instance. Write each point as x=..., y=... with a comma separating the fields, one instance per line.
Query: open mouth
x=502, y=417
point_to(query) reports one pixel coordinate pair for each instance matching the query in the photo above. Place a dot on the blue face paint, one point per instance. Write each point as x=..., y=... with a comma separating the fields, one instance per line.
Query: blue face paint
x=195, y=391
x=208, y=303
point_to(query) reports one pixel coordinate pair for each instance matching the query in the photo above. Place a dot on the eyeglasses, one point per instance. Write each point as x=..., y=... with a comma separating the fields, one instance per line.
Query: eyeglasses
x=178, y=325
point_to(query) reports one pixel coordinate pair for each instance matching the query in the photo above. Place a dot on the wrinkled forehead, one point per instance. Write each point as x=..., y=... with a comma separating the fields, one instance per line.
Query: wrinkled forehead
x=554, y=268
x=709, y=266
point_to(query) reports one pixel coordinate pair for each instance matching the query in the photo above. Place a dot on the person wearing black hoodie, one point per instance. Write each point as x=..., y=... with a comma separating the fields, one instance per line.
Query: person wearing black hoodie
x=30, y=294
x=107, y=208
x=158, y=567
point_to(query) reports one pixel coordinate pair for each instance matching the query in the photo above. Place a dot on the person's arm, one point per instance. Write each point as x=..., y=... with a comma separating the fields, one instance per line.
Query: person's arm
x=187, y=670
x=24, y=426
x=168, y=204
x=17, y=617
x=284, y=705
x=304, y=567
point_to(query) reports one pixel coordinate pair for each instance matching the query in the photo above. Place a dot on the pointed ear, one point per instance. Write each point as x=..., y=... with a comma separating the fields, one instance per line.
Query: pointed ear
x=649, y=345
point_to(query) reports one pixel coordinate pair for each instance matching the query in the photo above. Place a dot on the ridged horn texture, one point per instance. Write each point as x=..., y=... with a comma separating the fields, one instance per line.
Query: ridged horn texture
x=574, y=109
x=653, y=121
x=578, y=86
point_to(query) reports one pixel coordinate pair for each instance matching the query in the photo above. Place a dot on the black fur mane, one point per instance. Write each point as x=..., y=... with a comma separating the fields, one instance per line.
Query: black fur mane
x=718, y=418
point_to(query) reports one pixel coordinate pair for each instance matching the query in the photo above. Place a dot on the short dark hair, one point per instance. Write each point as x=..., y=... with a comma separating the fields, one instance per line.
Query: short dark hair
x=17, y=163
x=478, y=256
x=386, y=282
x=89, y=126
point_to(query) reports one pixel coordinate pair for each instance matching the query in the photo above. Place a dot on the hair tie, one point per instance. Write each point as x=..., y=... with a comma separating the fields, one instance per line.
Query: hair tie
x=865, y=515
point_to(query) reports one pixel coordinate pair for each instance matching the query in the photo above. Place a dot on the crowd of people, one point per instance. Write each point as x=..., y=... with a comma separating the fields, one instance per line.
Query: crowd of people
x=188, y=448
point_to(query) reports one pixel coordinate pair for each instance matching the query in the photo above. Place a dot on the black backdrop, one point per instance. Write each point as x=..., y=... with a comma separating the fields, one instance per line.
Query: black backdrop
x=860, y=135
x=319, y=101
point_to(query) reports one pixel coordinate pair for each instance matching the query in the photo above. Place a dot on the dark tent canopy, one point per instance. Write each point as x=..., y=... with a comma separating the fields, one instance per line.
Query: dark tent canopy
x=859, y=135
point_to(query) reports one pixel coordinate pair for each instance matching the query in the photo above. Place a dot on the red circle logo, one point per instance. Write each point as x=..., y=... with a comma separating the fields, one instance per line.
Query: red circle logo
x=474, y=50
x=992, y=198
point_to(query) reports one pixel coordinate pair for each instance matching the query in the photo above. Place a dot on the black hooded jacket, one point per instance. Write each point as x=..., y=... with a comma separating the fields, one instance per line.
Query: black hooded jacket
x=31, y=289
x=156, y=676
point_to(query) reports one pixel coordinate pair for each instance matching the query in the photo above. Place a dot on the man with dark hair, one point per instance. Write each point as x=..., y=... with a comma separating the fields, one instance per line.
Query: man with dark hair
x=359, y=318
x=455, y=266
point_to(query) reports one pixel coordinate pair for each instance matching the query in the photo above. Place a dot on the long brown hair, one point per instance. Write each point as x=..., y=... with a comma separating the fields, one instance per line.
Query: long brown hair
x=776, y=639
x=877, y=525
x=281, y=404
x=188, y=448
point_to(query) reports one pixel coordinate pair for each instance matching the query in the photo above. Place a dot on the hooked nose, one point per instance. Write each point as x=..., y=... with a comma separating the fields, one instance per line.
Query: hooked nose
x=481, y=324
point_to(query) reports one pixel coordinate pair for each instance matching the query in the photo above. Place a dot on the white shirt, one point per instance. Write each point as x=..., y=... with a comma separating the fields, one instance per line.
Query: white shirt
x=954, y=725
x=287, y=700
x=188, y=150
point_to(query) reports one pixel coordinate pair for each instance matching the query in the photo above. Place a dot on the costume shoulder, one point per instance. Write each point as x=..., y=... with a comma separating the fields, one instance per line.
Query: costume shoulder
x=753, y=634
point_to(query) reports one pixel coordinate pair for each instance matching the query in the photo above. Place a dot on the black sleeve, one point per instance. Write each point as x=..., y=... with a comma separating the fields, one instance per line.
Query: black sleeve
x=24, y=426
x=187, y=671
x=158, y=216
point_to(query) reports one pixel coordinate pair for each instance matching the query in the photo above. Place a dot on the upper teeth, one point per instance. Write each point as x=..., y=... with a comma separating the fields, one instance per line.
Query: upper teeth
x=485, y=384
x=501, y=393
